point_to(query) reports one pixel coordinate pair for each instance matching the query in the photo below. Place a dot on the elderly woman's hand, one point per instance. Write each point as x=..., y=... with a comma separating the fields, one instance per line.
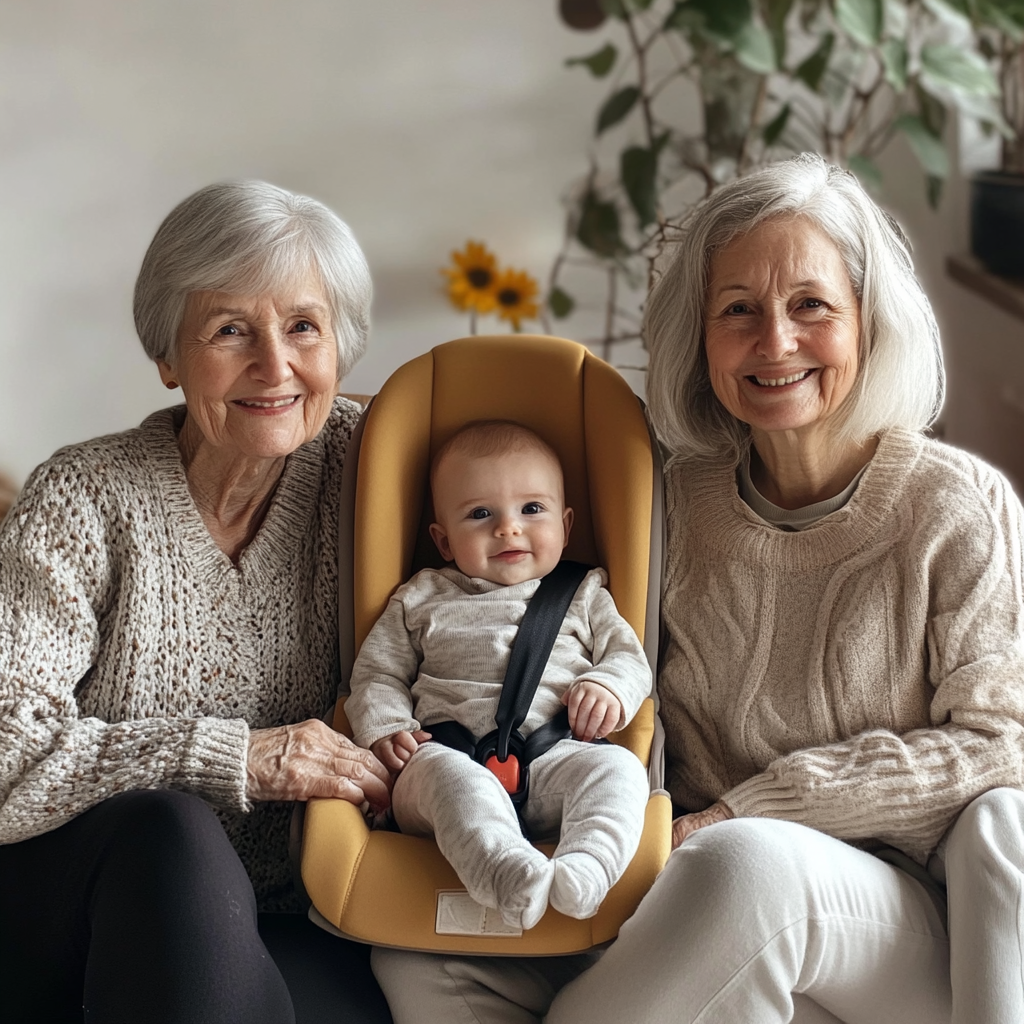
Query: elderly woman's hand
x=686, y=825
x=296, y=762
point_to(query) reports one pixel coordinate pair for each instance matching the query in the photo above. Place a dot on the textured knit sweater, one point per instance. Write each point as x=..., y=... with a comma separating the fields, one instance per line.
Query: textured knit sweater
x=865, y=676
x=135, y=655
x=441, y=649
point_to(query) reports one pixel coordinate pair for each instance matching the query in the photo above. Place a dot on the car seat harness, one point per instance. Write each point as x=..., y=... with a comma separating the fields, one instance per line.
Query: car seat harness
x=504, y=750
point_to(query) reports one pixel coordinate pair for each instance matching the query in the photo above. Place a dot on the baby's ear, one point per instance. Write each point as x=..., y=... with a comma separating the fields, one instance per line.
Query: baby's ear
x=566, y=525
x=440, y=538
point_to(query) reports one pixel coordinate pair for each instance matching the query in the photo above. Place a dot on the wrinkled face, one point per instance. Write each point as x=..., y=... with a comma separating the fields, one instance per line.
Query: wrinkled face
x=782, y=327
x=259, y=372
x=501, y=517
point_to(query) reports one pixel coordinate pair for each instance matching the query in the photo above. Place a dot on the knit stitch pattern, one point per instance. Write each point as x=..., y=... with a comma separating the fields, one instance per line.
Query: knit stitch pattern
x=865, y=676
x=135, y=655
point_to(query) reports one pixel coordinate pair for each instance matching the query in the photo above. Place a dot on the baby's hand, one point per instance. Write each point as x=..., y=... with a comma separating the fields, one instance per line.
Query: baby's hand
x=594, y=711
x=395, y=750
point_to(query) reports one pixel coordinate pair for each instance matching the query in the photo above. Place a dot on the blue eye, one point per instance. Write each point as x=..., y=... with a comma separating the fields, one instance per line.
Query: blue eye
x=531, y=508
x=479, y=513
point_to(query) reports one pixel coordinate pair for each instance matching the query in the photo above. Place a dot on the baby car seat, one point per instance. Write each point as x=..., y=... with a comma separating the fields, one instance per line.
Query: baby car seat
x=396, y=890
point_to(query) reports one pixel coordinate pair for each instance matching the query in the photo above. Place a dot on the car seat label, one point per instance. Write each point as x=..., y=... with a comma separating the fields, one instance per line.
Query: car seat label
x=459, y=914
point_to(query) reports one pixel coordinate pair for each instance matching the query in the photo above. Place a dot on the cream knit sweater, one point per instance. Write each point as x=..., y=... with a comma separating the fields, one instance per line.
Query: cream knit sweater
x=865, y=676
x=135, y=655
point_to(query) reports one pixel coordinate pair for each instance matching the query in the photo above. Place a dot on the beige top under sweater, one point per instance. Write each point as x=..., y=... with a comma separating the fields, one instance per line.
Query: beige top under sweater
x=864, y=676
x=441, y=649
x=135, y=655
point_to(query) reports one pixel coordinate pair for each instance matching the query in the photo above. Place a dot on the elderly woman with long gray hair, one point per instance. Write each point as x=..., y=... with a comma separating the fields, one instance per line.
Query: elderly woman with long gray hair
x=168, y=600
x=842, y=668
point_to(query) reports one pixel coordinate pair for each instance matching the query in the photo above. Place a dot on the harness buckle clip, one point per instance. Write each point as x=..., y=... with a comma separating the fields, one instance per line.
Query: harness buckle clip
x=506, y=772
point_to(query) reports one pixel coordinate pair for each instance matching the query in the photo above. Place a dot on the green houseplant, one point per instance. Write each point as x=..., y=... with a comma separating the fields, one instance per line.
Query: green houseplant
x=699, y=91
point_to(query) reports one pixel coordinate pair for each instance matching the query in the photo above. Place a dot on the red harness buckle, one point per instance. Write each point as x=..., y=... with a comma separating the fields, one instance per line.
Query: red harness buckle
x=506, y=772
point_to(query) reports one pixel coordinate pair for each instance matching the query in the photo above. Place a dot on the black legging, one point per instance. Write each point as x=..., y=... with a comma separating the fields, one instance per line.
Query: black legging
x=140, y=911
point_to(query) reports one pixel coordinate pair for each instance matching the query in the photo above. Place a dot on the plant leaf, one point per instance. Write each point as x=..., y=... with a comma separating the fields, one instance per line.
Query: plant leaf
x=776, y=12
x=865, y=169
x=896, y=18
x=932, y=110
x=861, y=19
x=599, y=63
x=774, y=128
x=949, y=14
x=723, y=18
x=959, y=69
x=929, y=150
x=894, y=60
x=986, y=110
x=683, y=17
x=561, y=303
x=616, y=107
x=598, y=228
x=813, y=68
x=755, y=49
x=1008, y=18
x=934, y=185
x=638, y=168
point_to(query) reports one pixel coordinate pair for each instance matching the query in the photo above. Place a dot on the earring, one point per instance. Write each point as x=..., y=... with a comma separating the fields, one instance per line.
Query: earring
x=170, y=384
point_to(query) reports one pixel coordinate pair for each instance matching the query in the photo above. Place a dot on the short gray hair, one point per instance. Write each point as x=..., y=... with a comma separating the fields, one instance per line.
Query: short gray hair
x=900, y=381
x=250, y=236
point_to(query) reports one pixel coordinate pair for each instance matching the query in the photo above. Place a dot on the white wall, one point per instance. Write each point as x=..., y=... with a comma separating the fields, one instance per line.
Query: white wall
x=422, y=123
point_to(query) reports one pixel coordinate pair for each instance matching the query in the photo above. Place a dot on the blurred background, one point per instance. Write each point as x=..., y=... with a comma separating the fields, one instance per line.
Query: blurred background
x=422, y=124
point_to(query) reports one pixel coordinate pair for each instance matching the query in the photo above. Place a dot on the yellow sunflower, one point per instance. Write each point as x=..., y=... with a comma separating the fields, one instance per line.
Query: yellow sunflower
x=471, y=280
x=514, y=291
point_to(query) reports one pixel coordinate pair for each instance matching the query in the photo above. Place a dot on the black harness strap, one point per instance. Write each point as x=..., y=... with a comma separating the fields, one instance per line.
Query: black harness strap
x=532, y=647
x=527, y=660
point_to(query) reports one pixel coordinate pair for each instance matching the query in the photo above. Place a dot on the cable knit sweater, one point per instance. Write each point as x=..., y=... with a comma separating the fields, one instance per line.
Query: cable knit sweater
x=135, y=655
x=865, y=676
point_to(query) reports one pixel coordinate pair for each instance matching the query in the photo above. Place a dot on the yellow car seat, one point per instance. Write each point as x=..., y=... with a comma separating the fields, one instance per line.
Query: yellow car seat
x=397, y=890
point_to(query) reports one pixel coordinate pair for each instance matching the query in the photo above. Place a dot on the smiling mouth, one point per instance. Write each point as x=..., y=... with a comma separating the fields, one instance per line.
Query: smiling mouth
x=511, y=555
x=778, y=382
x=270, y=403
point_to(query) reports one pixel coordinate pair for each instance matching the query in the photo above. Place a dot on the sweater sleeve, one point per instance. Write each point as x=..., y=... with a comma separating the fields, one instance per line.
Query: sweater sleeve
x=380, y=702
x=57, y=577
x=907, y=789
x=620, y=664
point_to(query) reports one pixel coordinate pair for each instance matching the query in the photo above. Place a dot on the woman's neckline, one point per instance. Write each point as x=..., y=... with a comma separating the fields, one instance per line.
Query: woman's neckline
x=284, y=526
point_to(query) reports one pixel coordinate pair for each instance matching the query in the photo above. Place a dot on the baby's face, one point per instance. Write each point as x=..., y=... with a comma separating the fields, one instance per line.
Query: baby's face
x=501, y=517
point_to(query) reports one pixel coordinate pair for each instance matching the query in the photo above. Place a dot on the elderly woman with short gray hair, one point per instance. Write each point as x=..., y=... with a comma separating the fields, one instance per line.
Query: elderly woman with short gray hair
x=842, y=668
x=168, y=599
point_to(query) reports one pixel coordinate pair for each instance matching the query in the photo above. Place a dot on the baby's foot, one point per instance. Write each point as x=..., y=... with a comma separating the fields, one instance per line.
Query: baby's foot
x=579, y=885
x=522, y=882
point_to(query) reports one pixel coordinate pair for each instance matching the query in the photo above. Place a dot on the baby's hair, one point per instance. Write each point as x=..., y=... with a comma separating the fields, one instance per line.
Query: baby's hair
x=482, y=438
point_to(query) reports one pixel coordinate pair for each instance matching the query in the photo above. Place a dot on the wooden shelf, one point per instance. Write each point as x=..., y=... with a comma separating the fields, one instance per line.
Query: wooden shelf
x=1007, y=293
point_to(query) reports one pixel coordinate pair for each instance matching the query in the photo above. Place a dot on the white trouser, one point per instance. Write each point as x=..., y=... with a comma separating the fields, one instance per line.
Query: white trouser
x=591, y=796
x=755, y=921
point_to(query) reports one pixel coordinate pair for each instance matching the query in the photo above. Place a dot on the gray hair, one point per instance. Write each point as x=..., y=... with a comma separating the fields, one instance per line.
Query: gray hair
x=250, y=236
x=900, y=381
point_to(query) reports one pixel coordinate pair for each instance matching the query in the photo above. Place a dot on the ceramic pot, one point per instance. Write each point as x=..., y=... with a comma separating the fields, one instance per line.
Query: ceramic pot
x=997, y=221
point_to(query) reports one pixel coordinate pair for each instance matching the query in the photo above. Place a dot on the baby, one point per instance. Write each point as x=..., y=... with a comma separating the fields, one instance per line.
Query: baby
x=440, y=651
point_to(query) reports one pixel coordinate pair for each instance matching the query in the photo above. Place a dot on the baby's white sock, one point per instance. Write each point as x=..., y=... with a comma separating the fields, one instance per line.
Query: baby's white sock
x=522, y=882
x=579, y=885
